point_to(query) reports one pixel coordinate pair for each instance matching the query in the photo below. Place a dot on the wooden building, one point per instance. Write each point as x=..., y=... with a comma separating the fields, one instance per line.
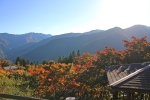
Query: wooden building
x=129, y=81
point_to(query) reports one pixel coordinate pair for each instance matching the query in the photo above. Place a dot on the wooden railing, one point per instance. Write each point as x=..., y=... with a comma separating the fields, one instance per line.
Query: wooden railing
x=18, y=97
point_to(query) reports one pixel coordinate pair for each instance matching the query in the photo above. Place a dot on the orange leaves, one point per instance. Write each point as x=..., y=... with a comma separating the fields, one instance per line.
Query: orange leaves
x=36, y=71
x=20, y=72
x=4, y=73
x=109, y=56
x=56, y=77
x=137, y=50
x=74, y=83
x=134, y=42
x=86, y=59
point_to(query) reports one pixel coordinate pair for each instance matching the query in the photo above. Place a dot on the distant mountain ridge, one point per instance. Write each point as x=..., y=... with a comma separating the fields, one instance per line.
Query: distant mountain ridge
x=85, y=43
x=93, y=31
x=138, y=31
x=10, y=41
x=23, y=50
x=62, y=45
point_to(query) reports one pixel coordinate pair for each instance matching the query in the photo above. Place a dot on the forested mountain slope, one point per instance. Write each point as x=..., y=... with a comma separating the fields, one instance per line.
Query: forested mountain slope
x=85, y=43
x=12, y=54
x=62, y=45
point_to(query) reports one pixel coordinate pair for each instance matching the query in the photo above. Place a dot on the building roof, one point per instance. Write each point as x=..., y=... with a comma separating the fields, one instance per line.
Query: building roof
x=10, y=67
x=129, y=76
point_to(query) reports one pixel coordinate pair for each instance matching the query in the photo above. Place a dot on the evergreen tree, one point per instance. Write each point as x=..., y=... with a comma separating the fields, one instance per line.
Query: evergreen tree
x=73, y=54
x=23, y=62
x=27, y=62
x=31, y=63
x=37, y=63
x=66, y=60
x=63, y=59
x=18, y=60
x=70, y=58
x=59, y=59
x=44, y=62
x=78, y=53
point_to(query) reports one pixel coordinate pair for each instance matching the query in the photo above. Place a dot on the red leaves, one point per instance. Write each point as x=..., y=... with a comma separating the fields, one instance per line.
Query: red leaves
x=77, y=68
x=137, y=50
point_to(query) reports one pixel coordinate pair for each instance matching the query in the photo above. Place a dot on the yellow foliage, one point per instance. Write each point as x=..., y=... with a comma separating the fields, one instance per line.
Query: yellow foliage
x=4, y=73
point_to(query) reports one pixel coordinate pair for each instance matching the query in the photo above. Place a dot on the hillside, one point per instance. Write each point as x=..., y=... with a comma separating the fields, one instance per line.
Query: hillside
x=10, y=41
x=12, y=54
x=85, y=43
x=62, y=45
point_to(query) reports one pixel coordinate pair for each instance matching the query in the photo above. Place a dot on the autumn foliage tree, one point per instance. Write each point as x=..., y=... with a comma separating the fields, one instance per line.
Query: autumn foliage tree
x=137, y=50
x=92, y=77
x=109, y=56
x=58, y=80
x=86, y=59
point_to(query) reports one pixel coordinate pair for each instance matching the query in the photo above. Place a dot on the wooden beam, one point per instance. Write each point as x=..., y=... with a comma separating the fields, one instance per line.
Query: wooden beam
x=128, y=95
x=141, y=96
x=129, y=89
x=115, y=95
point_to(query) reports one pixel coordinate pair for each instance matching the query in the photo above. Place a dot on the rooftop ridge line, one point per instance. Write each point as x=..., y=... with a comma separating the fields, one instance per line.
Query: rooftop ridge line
x=130, y=75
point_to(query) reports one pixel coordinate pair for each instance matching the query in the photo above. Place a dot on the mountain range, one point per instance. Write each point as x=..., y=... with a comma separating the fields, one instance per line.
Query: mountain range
x=10, y=43
x=38, y=48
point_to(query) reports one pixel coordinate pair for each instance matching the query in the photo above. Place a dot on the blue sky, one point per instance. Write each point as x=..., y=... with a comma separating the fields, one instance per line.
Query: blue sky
x=64, y=16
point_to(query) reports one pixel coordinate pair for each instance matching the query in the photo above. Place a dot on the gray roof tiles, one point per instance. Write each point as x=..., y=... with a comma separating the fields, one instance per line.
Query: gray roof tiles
x=131, y=76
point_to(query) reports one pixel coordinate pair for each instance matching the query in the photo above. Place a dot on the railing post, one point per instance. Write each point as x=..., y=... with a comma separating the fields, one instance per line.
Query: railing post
x=115, y=95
